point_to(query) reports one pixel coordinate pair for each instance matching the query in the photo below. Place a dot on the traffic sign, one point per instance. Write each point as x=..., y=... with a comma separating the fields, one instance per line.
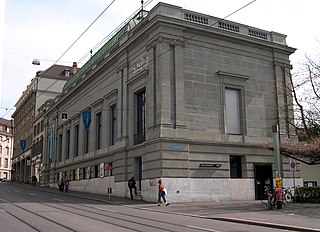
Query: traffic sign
x=293, y=165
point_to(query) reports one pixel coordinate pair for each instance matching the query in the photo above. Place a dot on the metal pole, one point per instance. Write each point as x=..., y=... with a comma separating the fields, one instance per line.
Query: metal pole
x=294, y=187
x=109, y=189
x=275, y=130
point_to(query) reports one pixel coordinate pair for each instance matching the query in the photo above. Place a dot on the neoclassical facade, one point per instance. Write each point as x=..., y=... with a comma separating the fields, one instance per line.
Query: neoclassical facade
x=177, y=95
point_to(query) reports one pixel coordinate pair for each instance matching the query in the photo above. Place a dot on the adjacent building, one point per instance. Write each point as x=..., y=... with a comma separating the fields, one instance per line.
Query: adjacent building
x=310, y=175
x=6, y=148
x=29, y=122
x=177, y=95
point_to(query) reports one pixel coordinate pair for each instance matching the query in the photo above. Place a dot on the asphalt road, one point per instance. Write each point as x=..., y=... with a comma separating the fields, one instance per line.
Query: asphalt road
x=29, y=209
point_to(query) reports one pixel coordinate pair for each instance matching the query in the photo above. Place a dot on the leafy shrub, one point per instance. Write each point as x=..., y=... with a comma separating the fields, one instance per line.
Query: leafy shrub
x=308, y=194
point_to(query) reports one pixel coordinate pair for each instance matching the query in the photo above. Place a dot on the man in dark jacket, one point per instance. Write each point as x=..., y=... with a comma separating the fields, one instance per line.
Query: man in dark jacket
x=132, y=185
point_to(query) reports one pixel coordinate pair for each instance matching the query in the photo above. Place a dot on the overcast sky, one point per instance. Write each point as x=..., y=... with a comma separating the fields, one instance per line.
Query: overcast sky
x=45, y=29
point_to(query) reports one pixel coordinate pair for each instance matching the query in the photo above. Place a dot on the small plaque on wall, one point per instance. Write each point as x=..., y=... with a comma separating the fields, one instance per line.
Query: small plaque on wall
x=153, y=182
x=210, y=165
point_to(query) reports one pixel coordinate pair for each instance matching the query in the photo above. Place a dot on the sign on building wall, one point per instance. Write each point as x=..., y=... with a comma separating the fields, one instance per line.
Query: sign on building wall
x=88, y=172
x=140, y=65
x=78, y=174
x=102, y=170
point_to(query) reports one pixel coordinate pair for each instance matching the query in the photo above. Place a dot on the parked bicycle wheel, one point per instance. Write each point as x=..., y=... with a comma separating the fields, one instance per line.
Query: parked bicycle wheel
x=287, y=197
x=264, y=201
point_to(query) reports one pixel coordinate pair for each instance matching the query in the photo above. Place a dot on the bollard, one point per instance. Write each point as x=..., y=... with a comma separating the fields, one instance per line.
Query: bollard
x=279, y=193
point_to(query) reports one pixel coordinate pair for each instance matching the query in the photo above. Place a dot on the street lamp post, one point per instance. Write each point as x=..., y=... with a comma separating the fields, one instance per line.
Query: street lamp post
x=276, y=141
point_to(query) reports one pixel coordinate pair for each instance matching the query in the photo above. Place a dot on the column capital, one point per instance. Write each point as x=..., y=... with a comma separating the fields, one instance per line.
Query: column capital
x=162, y=39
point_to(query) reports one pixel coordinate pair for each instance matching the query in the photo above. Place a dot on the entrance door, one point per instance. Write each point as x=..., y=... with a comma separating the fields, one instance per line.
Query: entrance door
x=263, y=177
x=138, y=171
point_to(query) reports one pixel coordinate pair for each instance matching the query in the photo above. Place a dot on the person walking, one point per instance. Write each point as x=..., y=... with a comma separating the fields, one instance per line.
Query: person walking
x=132, y=185
x=66, y=184
x=162, y=193
x=34, y=181
x=61, y=184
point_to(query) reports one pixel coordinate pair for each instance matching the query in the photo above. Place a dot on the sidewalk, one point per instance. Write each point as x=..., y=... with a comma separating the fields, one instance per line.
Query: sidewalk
x=293, y=216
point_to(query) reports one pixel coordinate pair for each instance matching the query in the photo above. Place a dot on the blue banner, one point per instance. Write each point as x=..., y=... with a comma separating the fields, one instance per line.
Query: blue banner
x=86, y=117
x=23, y=144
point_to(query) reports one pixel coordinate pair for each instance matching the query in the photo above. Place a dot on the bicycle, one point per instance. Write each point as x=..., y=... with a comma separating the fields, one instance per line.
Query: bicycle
x=289, y=194
x=270, y=194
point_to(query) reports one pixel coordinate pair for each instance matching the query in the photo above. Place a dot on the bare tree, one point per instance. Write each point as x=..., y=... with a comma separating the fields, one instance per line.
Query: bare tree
x=304, y=87
x=306, y=95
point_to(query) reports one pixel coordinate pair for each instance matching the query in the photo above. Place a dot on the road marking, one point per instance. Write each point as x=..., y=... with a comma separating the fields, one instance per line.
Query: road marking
x=16, y=190
x=56, y=199
x=201, y=228
x=32, y=194
x=106, y=210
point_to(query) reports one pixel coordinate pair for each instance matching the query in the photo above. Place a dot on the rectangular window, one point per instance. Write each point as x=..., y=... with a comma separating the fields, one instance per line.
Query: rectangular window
x=96, y=171
x=38, y=128
x=59, y=147
x=109, y=169
x=73, y=175
x=0, y=149
x=88, y=172
x=309, y=183
x=7, y=150
x=0, y=162
x=98, y=131
x=6, y=162
x=235, y=166
x=233, y=111
x=113, y=127
x=76, y=140
x=140, y=131
x=67, y=144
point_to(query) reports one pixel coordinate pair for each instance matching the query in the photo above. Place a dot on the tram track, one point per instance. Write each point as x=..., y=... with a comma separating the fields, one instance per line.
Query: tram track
x=103, y=215
x=33, y=214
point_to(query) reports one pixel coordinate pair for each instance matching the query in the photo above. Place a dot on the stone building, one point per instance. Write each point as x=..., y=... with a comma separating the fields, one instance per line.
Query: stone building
x=6, y=148
x=177, y=95
x=28, y=120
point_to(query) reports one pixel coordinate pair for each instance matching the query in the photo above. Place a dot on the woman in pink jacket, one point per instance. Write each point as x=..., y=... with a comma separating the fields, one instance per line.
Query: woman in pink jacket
x=161, y=193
